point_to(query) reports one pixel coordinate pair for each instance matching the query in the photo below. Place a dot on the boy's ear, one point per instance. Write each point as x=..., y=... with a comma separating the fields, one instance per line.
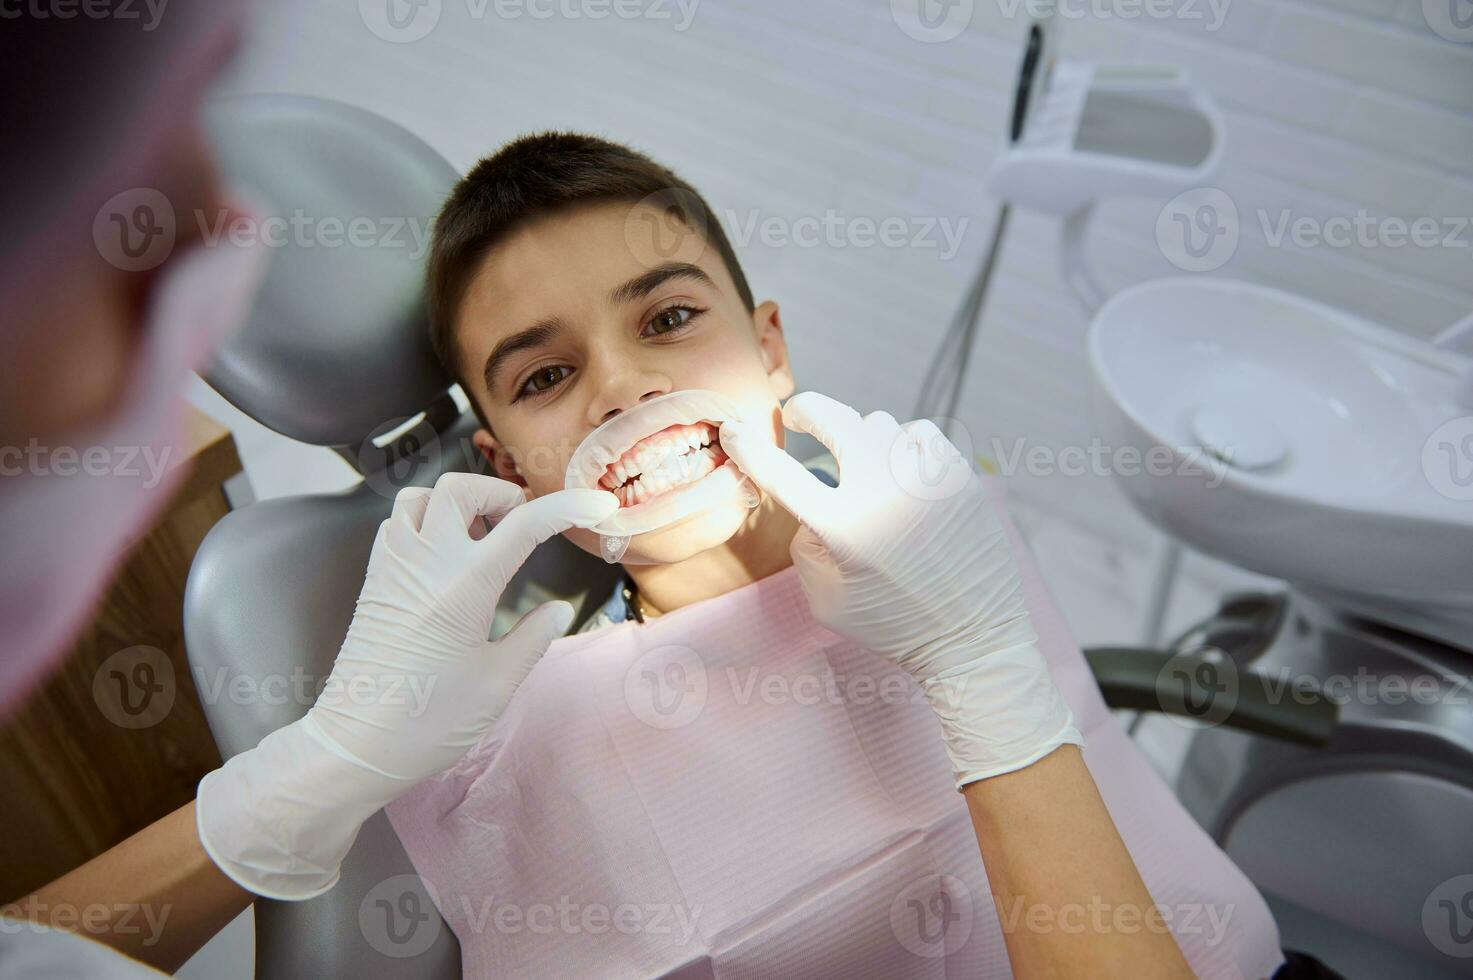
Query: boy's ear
x=773, y=347
x=502, y=463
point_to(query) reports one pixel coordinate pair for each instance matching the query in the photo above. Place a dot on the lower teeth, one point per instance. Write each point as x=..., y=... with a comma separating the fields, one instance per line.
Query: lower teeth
x=682, y=477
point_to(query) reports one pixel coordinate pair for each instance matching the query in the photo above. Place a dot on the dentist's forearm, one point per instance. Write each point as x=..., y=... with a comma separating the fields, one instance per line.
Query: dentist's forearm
x=156, y=897
x=1055, y=860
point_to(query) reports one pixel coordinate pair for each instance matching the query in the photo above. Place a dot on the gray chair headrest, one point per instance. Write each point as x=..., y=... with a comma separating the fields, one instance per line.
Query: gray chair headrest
x=337, y=345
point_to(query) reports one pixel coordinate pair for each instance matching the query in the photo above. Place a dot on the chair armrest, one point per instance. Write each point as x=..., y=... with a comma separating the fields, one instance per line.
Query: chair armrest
x=1134, y=679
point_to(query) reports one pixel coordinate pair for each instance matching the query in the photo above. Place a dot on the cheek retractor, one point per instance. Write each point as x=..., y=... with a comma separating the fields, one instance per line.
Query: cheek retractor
x=626, y=440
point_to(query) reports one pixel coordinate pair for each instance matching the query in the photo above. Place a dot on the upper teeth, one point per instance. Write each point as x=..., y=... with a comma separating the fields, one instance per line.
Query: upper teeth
x=652, y=455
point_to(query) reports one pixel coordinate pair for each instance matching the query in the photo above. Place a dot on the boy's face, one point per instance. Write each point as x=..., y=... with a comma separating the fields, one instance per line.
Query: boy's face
x=578, y=317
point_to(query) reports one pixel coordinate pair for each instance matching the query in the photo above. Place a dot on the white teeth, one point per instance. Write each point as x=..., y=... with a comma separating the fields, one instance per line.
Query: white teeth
x=652, y=456
x=662, y=464
x=678, y=471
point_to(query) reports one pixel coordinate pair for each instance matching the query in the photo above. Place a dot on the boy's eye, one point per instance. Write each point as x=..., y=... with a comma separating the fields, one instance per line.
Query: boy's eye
x=544, y=379
x=672, y=319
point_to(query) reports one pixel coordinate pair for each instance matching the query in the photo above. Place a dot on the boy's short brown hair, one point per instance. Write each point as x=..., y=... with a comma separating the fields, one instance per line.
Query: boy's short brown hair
x=537, y=175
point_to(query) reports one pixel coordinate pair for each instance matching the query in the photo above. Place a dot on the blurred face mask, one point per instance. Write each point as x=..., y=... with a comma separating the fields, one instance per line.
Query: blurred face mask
x=71, y=509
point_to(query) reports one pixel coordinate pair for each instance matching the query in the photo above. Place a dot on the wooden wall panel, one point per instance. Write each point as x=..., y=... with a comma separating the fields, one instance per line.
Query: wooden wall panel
x=73, y=781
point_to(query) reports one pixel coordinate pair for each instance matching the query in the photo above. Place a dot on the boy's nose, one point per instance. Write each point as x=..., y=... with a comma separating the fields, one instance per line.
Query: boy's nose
x=616, y=397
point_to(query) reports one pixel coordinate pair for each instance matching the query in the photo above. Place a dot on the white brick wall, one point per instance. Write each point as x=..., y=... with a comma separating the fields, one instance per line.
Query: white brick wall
x=794, y=107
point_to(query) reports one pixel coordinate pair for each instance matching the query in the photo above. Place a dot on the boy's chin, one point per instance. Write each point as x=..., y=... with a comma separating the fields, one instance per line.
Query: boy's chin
x=687, y=538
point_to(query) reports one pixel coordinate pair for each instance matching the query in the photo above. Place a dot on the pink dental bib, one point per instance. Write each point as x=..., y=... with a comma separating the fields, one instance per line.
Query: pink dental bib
x=730, y=790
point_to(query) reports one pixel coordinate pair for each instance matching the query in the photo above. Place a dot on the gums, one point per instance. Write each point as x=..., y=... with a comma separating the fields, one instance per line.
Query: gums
x=675, y=457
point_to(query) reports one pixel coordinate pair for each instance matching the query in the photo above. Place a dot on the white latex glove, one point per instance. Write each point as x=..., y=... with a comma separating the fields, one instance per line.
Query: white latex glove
x=415, y=684
x=906, y=558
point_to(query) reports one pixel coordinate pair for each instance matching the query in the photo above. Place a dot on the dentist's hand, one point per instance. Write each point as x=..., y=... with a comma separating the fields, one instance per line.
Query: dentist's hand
x=415, y=685
x=906, y=558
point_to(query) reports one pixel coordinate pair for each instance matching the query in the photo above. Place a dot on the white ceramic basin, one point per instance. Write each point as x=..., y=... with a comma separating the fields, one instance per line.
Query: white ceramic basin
x=1323, y=418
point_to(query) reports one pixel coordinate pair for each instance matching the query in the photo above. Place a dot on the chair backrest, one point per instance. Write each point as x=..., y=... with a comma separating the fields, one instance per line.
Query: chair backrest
x=337, y=343
x=335, y=355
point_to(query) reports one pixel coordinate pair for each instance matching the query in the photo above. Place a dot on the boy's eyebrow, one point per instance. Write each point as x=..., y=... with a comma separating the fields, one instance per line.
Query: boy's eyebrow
x=534, y=336
x=642, y=285
x=546, y=330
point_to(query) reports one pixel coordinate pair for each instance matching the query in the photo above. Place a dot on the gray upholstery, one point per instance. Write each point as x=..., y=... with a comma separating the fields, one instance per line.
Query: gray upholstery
x=335, y=351
x=336, y=344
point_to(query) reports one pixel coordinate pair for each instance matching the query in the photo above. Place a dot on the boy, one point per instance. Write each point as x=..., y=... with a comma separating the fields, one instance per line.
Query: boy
x=571, y=279
x=797, y=831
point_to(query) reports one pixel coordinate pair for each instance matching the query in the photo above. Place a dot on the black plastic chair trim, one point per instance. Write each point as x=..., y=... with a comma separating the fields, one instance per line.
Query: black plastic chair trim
x=1135, y=679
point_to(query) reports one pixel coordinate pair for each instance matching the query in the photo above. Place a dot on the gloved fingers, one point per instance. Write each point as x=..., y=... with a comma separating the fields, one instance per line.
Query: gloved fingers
x=798, y=491
x=881, y=422
x=409, y=507
x=459, y=498
x=831, y=422
x=807, y=547
x=931, y=439
x=923, y=430
x=381, y=536
x=523, y=528
x=935, y=453
x=516, y=653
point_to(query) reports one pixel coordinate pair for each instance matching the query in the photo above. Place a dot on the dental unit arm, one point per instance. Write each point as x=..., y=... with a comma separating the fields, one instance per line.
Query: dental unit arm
x=1080, y=134
x=1106, y=131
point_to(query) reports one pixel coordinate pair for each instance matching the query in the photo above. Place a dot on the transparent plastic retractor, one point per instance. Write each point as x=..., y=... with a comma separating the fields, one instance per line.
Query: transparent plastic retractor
x=611, y=440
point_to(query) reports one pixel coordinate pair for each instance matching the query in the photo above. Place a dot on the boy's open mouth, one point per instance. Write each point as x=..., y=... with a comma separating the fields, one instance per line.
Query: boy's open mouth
x=674, y=457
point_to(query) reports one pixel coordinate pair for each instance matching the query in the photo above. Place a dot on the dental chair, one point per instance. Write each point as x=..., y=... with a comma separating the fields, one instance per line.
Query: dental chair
x=337, y=354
